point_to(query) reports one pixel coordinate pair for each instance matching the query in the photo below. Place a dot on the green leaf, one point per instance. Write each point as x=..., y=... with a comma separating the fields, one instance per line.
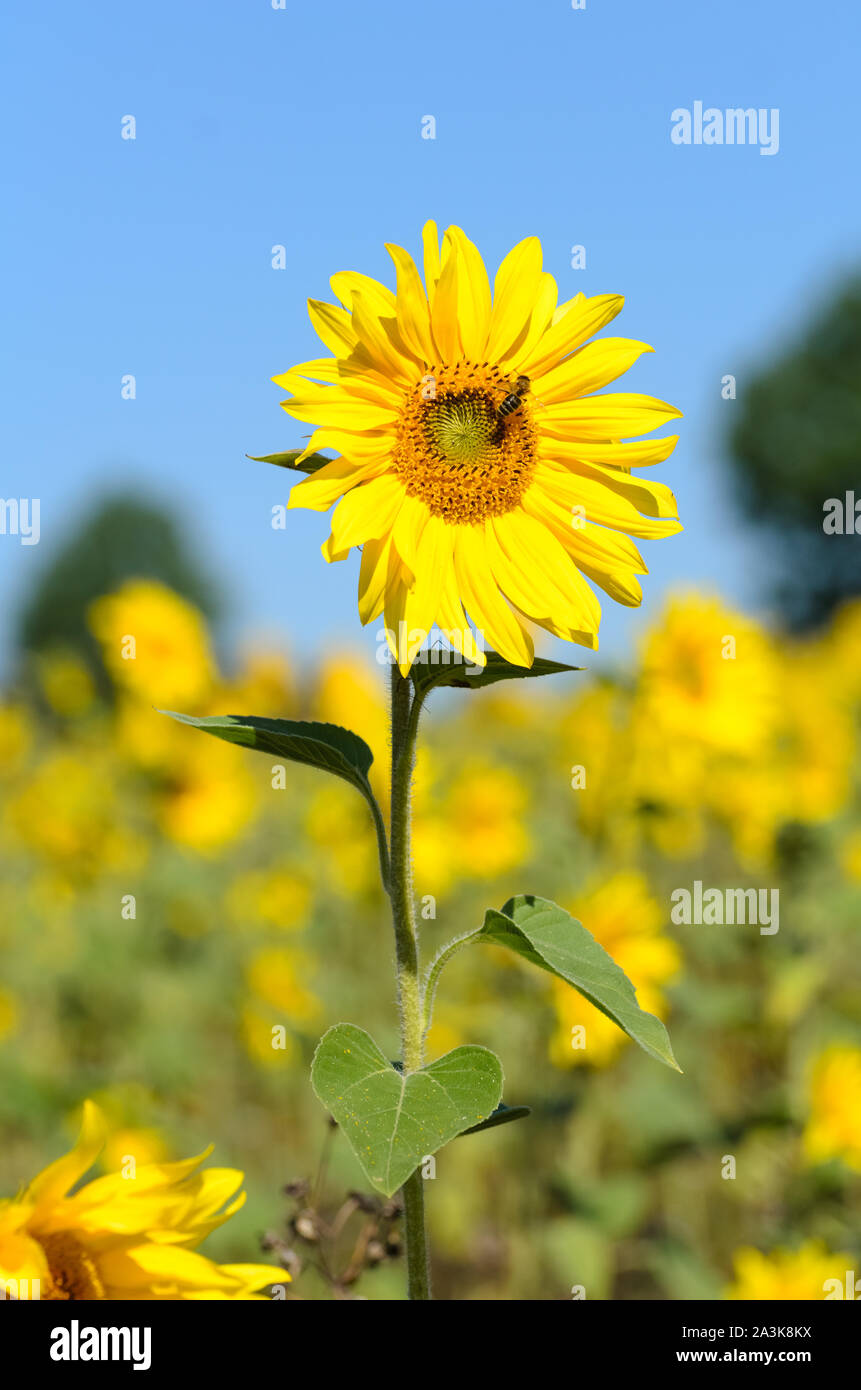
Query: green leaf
x=451, y=669
x=502, y=1115
x=549, y=937
x=326, y=746
x=393, y=1121
x=311, y=464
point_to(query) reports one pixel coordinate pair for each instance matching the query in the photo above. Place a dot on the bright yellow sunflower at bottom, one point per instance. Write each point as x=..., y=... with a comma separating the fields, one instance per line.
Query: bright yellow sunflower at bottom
x=122, y=1237
x=476, y=470
x=812, y=1272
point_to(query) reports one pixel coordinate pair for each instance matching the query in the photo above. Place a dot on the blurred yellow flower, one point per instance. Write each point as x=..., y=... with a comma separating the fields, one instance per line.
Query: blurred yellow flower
x=628, y=921
x=337, y=822
x=800, y=775
x=850, y=856
x=8, y=1013
x=467, y=824
x=66, y=683
x=351, y=692
x=131, y=1149
x=595, y=736
x=483, y=809
x=816, y=771
x=833, y=1129
x=210, y=796
x=154, y=644
x=709, y=675
x=277, y=975
x=787, y=1274
x=124, y=1237
x=267, y=1043
x=67, y=813
x=273, y=897
x=264, y=685
x=630, y=783
x=434, y=850
x=16, y=735
x=842, y=643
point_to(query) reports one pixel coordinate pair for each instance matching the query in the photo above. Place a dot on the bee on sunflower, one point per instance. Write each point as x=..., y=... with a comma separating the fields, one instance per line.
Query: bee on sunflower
x=476, y=468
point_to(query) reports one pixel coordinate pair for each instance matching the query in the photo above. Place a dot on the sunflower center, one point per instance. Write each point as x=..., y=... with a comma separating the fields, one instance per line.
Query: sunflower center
x=73, y=1271
x=456, y=452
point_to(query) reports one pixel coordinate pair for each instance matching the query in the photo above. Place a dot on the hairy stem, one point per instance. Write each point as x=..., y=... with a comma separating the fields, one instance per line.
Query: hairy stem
x=440, y=960
x=406, y=707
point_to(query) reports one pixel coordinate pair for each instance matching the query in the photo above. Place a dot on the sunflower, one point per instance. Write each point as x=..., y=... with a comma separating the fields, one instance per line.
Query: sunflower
x=797, y=1275
x=127, y=1236
x=460, y=507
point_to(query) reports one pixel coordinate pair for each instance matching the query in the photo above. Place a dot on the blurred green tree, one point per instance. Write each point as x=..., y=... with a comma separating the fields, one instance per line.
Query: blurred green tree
x=124, y=537
x=797, y=443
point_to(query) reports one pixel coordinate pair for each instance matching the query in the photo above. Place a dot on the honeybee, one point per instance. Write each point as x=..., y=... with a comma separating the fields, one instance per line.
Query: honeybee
x=514, y=400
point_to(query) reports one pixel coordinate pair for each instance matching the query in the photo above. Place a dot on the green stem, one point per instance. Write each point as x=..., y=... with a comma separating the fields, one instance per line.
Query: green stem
x=406, y=708
x=418, y=1268
x=432, y=979
x=382, y=843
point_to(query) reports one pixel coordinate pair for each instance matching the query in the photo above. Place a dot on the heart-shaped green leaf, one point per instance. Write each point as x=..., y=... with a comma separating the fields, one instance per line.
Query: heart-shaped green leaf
x=393, y=1121
x=551, y=938
x=311, y=464
x=325, y=746
x=449, y=668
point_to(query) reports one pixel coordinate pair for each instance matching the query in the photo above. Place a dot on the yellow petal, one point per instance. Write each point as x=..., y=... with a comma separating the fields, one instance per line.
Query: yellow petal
x=146, y=1265
x=394, y=612
x=336, y=407
x=54, y=1182
x=491, y=614
x=407, y=532
x=333, y=325
x=412, y=308
x=532, y=567
x=636, y=453
x=254, y=1277
x=603, y=504
x=430, y=241
x=651, y=498
x=367, y=512
x=597, y=553
x=373, y=572
x=380, y=337
x=453, y=621
x=473, y=294
x=446, y=330
x=379, y=299
x=22, y=1259
x=432, y=565
x=590, y=368
x=515, y=290
x=580, y=319
x=614, y=416
x=319, y=369
x=358, y=447
x=536, y=326
x=319, y=491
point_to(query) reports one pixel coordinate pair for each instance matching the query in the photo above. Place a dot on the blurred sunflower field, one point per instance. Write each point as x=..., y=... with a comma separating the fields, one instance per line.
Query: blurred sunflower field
x=169, y=901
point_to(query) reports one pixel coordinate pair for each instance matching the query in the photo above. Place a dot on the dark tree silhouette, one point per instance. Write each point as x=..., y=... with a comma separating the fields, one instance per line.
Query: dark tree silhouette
x=796, y=444
x=125, y=537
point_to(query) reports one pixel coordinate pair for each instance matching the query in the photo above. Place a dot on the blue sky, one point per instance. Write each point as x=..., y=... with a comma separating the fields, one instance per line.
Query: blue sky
x=302, y=126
